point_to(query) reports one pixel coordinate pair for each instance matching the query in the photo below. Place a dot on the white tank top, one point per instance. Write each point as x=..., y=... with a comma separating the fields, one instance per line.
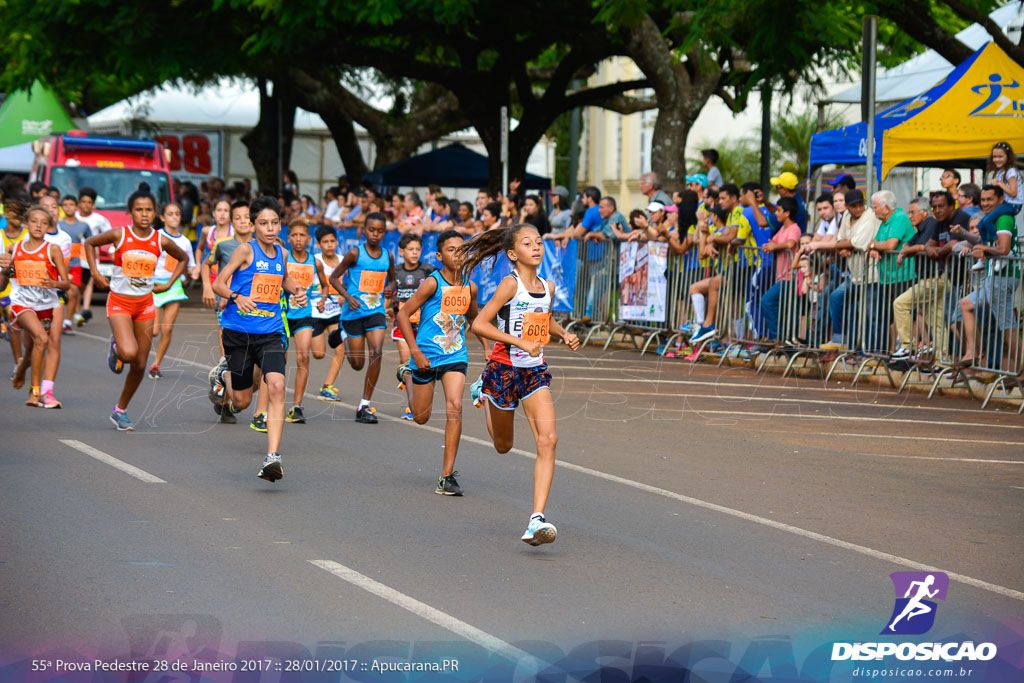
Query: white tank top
x=525, y=311
x=331, y=307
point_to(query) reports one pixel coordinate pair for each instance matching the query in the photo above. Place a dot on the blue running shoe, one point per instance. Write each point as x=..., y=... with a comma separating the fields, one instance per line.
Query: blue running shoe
x=407, y=415
x=475, y=389
x=328, y=393
x=113, y=362
x=121, y=421
x=539, y=531
x=703, y=334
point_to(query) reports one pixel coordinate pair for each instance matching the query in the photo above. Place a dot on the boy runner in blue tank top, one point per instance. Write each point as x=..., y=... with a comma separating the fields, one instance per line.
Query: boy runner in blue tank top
x=371, y=278
x=305, y=270
x=251, y=284
x=446, y=302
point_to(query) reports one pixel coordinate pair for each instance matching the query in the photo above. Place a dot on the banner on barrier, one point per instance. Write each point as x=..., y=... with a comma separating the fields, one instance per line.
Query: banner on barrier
x=642, y=281
x=559, y=265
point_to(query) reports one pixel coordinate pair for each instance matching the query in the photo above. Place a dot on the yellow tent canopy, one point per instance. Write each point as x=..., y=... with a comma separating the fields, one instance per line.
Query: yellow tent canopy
x=979, y=104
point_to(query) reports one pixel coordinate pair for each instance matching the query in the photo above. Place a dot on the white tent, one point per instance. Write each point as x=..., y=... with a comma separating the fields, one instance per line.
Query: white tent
x=919, y=73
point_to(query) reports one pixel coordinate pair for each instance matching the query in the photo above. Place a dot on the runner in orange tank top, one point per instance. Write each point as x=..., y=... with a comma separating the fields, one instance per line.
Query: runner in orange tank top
x=130, y=309
x=36, y=270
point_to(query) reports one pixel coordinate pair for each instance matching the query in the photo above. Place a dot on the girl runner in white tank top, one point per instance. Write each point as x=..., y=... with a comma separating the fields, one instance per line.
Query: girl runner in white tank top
x=515, y=372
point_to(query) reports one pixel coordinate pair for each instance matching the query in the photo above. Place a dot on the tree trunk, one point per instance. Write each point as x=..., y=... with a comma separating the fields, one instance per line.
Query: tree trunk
x=275, y=128
x=343, y=132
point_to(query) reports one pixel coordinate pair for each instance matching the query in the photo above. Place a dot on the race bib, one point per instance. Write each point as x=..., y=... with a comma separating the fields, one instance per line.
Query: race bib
x=138, y=264
x=30, y=273
x=170, y=263
x=455, y=300
x=76, y=250
x=302, y=273
x=535, y=327
x=372, y=281
x=266, y=288
x=415, y=317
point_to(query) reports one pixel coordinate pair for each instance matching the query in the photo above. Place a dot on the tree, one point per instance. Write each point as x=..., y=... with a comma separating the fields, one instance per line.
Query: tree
x=791, y=138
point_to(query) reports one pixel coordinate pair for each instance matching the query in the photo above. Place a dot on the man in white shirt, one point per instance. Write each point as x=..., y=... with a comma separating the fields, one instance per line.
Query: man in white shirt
x=332, y=212
x=828, y=223
x=97, y=224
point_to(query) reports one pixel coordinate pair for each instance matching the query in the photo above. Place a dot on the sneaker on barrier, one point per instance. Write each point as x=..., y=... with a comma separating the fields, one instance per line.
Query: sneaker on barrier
x=704, y=333
x=900, y=354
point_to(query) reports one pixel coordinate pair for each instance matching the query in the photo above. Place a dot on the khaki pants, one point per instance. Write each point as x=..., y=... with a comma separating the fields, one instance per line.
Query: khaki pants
x=928, y=297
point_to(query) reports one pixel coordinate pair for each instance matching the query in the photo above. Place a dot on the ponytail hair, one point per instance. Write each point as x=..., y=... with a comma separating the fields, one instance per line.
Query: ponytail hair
x=487, y=244
x=141, y=193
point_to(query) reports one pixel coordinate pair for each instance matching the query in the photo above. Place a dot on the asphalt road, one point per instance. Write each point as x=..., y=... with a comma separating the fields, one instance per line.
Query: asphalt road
x=692, y=503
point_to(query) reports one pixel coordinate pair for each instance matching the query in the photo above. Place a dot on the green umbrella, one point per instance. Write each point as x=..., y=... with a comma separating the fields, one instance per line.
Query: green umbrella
x=26, y=116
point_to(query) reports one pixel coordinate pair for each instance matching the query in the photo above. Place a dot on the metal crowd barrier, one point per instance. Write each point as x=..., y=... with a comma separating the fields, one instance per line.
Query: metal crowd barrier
x=850, y=308
x=596, y=289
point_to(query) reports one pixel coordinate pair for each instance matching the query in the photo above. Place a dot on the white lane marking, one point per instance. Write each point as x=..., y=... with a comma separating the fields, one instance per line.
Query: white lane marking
x=771, y=523
x=776, y=399
x=425, y=611
x=960, y=440
x=930, y=457
x=112, y=461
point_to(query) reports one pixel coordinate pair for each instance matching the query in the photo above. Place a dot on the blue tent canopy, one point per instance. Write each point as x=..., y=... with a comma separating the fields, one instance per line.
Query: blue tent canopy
x=848, y=145
x=450, y=166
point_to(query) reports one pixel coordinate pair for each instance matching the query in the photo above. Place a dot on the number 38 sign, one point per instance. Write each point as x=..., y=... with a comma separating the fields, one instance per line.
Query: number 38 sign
x=195, y=155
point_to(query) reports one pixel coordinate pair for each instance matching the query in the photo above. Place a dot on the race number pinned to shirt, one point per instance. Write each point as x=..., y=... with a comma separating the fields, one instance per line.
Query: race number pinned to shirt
x=372, y=281
x=170, y=263
x=266, y=288
x=415, y=317
x=301, y=273
x=455, y=300
x=535, y=327
x=30, y=273
x=138, y=264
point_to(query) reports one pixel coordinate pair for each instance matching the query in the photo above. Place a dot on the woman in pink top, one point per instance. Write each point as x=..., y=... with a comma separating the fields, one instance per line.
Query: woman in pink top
x=782, y=247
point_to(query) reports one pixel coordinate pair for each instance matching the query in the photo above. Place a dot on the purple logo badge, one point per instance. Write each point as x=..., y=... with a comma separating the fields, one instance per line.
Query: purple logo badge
x=914, y=611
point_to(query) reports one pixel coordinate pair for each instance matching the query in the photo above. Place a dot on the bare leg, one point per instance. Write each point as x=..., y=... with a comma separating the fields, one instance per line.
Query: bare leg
x=967, y=311
x=36, y=334
x=453, y=383
x=275, y=410
x=140, y=334
x=501, y=426
x=540, y=411
x=403, y=357
x=713, y=286
x=170, y=315
x=375, y=347
x=53, y=348
x=302, y=341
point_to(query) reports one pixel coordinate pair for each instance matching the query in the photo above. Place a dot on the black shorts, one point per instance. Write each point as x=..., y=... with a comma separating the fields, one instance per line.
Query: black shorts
x=360, y=326
x=320, y=325
x=433, y=373
x=244, y=351
x=296, y=324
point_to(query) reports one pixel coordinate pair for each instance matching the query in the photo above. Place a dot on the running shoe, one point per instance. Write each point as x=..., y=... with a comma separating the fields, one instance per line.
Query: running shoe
x=227, y=416
x=78, y=319
x=295, y=416
x=400, y=374
x=48, y=401
x=447, y=486
x=475, y=390
x=367, y=415
x=328, y=393
x=67, y=327
x=86, y=314
x=259, y=423
x=272, y=469
x=704, y=333
x=901, y=354
x=121, y=421
x=33, y=399
x=693, y=328
x=154, y=372
x=216, y=394
x=407, y=415
x=113, y=362
x=539, y=531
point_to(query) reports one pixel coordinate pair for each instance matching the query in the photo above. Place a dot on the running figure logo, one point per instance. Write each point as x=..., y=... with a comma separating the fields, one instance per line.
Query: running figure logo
x=996, y=95
x=914, y=611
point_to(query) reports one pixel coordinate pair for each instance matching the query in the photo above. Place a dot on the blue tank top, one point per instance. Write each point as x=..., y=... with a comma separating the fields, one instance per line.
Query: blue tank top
x=302, y=272
x=261, y=281
x=366, y=281
x=441, y=335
